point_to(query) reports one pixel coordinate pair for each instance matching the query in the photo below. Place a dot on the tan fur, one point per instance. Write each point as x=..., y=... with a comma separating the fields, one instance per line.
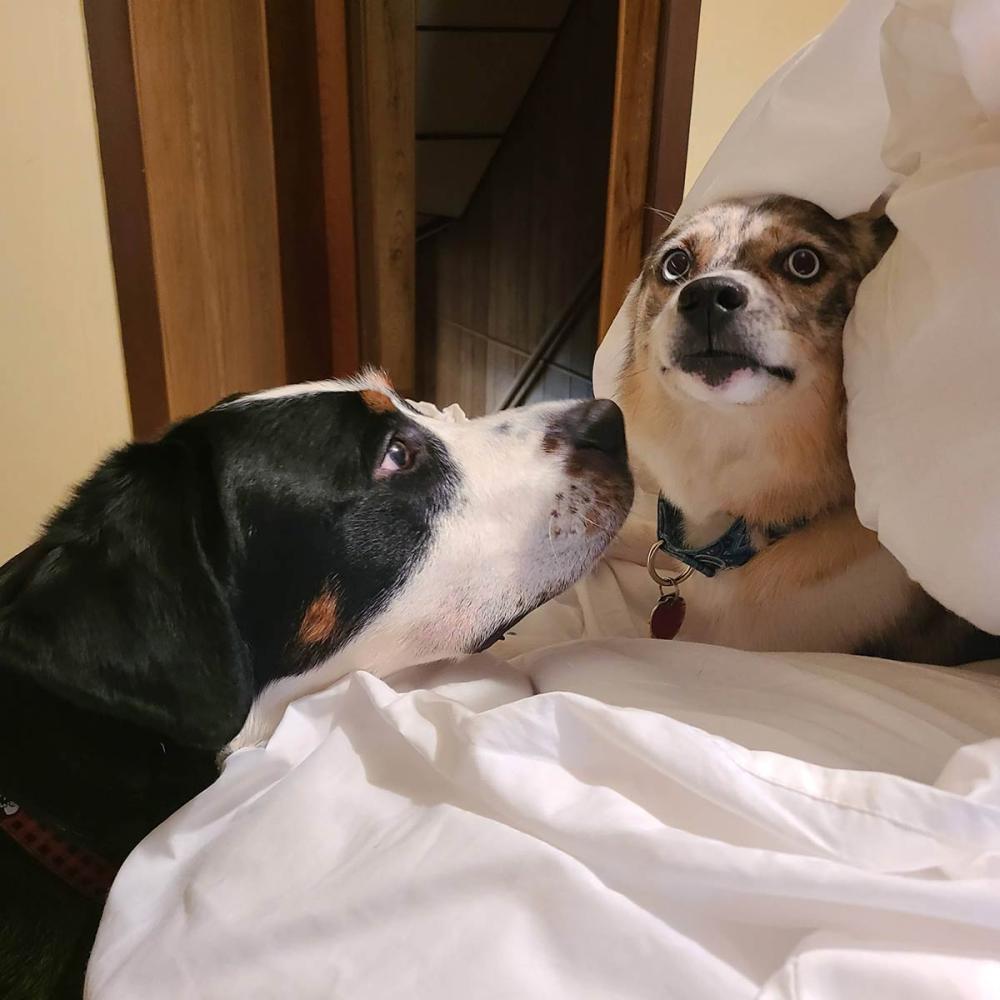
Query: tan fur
x=320, y=620
x=824, y=548
x=804, y=438
x=377, y=402
x=779, y=454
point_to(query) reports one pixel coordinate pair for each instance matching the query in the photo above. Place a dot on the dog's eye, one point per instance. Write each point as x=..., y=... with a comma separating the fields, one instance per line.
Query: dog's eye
x=675, y=265
x=803, y=263
x=398, y=457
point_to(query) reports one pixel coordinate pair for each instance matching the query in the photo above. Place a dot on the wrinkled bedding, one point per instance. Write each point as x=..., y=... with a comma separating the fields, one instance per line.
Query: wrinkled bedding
x=660, y=820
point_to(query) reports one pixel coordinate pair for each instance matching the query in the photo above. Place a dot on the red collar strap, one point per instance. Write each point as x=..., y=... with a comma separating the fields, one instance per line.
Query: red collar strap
x=82, y=870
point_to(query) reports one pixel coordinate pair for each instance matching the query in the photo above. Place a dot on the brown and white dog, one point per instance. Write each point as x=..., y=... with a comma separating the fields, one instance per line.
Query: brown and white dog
x=735, y=410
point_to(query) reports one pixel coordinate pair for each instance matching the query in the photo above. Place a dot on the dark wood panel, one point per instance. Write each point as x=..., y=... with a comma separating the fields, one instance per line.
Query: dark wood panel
x=448, y=172
x=576, y=353
x=488, y=14
x=671, y=124
x=502, y=365
x=338, y=185
x=298, y=166
x=463, y=380
x=487, y=369
x=382, y=58
x=110, y=44
x=472, y=82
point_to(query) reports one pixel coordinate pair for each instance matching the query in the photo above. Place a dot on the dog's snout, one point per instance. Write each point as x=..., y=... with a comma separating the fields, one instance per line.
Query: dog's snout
x=595, y=425
x=714, y=297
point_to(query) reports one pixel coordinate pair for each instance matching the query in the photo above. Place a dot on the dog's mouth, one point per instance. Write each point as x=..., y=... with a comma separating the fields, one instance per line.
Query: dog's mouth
x=496, y=636
x=715, y=368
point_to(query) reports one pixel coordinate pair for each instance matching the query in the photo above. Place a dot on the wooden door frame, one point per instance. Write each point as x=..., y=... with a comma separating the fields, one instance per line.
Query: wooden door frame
x=333, y=73
x=313, y=248
x=109, y=40
x=382, y=59
x=654, y=84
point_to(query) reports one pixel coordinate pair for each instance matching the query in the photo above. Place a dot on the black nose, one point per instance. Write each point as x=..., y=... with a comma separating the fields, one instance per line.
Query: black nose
x=714, y=298
x=596, y=425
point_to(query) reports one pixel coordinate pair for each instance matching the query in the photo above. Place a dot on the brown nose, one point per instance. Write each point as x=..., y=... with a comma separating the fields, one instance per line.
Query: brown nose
x=595, y=425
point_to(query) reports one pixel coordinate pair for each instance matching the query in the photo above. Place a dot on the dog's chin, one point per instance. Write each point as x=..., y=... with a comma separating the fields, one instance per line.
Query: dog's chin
x=498, y=634
x=508, y=623
x=730, y=379
x=531, y=604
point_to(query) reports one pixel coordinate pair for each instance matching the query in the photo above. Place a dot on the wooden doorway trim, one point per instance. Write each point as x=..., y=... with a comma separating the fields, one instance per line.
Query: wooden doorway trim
x=338, y=185
x=671, y=124
x=382, y=50
x=203, y=87
x=296, y=137
x=208, y=117
x=109, y=41
x=657, y=45
x=185, y=126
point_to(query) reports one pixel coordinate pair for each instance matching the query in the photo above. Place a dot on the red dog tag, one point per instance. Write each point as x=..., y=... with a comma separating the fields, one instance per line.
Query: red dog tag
x=667, y=617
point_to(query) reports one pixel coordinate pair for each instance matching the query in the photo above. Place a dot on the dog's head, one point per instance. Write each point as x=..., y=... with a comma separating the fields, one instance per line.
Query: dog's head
x=258, y=539
x=746, y=301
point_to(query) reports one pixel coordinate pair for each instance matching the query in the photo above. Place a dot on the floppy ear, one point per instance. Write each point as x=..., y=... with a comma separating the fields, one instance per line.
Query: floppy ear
x=120, y=607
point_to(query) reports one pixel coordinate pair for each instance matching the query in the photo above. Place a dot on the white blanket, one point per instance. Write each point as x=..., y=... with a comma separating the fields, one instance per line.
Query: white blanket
x=662, y=819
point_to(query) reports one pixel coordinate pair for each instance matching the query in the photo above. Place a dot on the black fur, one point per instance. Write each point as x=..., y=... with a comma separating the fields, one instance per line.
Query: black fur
x=135, y=633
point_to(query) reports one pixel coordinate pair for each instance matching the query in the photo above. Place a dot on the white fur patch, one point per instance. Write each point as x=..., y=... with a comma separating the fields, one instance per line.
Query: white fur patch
x=370, y=378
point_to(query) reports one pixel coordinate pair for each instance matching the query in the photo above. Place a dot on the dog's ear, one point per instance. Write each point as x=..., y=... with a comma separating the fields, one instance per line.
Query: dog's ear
x=121, y=606
x=872, y=233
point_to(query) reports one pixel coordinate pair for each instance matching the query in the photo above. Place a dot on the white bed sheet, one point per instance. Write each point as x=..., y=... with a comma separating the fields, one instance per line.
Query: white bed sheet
x=661, y=820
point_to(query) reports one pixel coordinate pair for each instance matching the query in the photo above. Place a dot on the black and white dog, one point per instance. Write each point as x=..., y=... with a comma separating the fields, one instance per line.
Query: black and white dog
x=195, y=585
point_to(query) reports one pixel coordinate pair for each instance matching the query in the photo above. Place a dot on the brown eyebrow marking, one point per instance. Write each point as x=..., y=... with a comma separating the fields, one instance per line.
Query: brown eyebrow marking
x=377, y=402
x=320, y=620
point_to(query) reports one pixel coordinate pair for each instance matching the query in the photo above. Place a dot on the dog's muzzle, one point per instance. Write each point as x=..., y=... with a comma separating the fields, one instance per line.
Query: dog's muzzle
x=711, y=342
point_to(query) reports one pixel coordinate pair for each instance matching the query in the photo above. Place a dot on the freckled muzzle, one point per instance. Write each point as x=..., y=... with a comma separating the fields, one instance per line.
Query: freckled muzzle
x=592, y=499
x=591, y=436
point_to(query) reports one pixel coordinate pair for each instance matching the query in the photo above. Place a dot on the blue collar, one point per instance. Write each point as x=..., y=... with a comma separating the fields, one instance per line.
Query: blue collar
x=732, y=549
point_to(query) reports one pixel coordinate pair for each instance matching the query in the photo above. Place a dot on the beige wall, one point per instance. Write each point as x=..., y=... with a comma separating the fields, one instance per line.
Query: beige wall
x=740, y=44
x=63, y=399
